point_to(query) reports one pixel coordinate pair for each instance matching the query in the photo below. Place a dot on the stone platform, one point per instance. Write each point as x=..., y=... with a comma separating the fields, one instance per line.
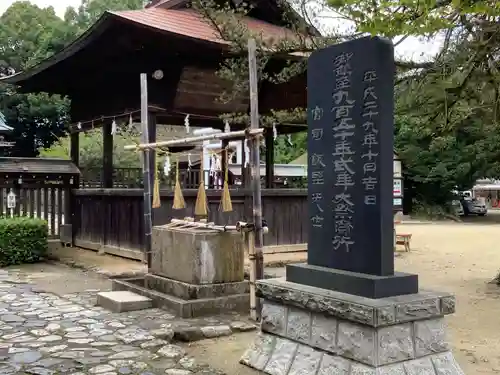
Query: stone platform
x=194, y=272
x=188, y=300
x=123, y=301
x=316, y=331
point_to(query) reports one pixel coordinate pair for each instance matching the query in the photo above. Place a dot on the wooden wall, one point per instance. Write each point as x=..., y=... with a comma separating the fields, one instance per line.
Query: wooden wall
x=111, y=220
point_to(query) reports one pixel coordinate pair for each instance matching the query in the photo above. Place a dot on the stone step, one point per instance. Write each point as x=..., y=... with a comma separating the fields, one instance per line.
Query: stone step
x=123, y=301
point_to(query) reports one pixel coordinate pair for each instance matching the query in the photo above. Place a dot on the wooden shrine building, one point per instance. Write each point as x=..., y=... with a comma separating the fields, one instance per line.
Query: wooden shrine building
x=181, y=51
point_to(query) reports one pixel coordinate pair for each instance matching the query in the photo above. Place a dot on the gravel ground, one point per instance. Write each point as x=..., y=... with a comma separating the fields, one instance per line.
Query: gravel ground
x=461, y=258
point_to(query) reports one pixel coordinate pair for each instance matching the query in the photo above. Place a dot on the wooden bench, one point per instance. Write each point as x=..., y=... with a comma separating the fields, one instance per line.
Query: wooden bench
x=404, y=239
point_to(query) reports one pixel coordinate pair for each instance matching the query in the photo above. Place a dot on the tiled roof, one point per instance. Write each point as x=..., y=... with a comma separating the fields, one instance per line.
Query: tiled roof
x=190, y=23
x=37, y=165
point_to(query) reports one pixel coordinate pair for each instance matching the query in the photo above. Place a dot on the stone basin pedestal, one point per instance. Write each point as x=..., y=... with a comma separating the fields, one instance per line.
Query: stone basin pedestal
x=308, y=330
x=194, y=272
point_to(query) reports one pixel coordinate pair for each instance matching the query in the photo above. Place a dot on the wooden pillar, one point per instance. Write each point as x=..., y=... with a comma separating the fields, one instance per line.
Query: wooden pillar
x=71, y=207
x=269, y=158
x=75, y=148
x=107, y=156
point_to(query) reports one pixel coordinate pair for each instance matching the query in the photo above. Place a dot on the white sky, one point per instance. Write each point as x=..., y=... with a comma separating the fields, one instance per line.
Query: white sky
x=411, y=48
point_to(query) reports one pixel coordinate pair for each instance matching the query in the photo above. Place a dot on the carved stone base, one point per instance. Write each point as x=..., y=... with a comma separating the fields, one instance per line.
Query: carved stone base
x=309, y=330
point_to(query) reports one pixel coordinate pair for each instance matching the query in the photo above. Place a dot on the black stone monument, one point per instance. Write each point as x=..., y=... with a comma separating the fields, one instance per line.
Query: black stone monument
x=350, y=171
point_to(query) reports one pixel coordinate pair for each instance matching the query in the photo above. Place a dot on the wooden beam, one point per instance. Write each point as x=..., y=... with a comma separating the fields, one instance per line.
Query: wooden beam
x=194, y=140
x=107, y=156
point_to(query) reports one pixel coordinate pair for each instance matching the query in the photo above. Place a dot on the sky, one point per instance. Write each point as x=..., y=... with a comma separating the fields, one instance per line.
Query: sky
x=411, y=49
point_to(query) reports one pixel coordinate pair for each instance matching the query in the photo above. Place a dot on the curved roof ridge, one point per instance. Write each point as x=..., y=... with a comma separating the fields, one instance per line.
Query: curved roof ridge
x=184, y=22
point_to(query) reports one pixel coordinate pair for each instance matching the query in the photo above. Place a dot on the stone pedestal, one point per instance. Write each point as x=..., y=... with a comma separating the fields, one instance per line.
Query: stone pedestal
x=194, y=272
x=197, y=256
x=308, y=330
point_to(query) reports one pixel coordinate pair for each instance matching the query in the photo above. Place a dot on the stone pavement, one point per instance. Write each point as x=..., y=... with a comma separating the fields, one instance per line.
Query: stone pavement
x=45, y=334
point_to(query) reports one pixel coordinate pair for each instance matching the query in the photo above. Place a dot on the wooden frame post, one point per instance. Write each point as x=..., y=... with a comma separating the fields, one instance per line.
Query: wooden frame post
x=146, y=169
x=269, y=136
x=74, y=148
x=71, y=207
x=255, y=176
x=107, y=156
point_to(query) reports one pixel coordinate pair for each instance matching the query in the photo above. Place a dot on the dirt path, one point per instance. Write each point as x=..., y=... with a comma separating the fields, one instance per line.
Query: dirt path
x=461, y=258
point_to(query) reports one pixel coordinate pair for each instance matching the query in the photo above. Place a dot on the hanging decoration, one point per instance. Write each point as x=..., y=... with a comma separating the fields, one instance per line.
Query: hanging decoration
x=289, y=139
x=200, y=208
x=227, y=127
x=179, y=202
x=217, y=169
x=226, y=203
x=166, y=165
x=247, y=153
x=130, y=122
x=275, y=132
x=114, y=127
x=79, y=125
x=211, y=170
x=156, y=188
x=186, y=123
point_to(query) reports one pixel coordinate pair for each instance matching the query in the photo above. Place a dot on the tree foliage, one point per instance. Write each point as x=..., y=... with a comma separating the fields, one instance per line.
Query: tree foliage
x=91, y=144
x=28, y=35
x=447, y=108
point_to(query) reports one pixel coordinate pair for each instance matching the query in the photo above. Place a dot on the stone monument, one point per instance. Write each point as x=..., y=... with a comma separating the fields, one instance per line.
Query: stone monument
x=347, y=311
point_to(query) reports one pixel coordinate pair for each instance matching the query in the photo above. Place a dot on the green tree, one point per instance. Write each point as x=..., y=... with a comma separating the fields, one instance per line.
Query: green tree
x=89, y=11
x=91, y=150
x=447, y=108
x=30, y=34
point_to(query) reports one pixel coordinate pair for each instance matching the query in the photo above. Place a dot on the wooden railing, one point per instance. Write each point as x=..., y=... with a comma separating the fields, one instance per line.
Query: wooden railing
x=189, y=179
x=43, y=201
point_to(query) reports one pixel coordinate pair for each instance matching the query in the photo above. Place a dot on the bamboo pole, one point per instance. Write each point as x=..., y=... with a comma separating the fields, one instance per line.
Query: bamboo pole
x=200, y=224
x=190, y=140
x=250, y=249
x=148, y=223
x=257, y=258
x=197, y=224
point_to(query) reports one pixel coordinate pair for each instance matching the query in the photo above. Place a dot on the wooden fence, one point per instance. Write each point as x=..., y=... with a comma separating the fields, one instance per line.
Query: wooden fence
x=43, y=201
x=111, y=220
